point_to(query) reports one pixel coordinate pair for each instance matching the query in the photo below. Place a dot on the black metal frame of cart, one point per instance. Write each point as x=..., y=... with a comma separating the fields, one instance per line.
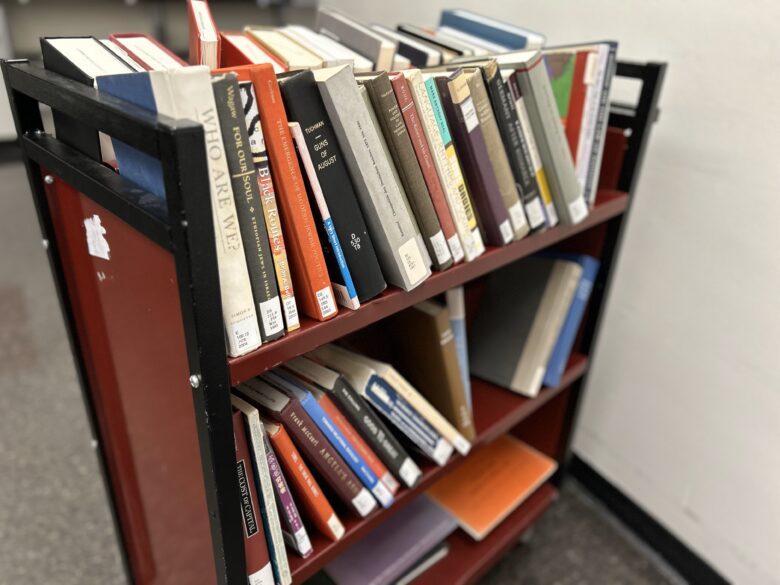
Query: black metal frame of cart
x=183, y=225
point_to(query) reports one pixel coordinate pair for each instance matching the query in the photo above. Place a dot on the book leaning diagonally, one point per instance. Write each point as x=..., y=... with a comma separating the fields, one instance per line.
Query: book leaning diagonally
x=186, y=94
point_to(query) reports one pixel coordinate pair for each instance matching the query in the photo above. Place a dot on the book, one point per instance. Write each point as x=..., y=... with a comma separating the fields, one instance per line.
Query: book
x=456, y=307
x=576, y=109
x=147, y=51
x=290, y=53
x=479, y=45
x=518, y=321
x=447, y=167
x=491, y=484
x=419, y=54
x=560, y=69
x=385, y=555
x=497, y=152
x=392, y=125
x=473, y=154
x=402, y=257
x=424, y=158
x=246, y=194
x=357, y=36
x=369, y=383
x=258, y=470
x=501, y=33
x=204, y=41
x=428, y=358
x=186, y=94
x=400, y=62
x=313, y=291
x=307, y=491
x=312, y=443
x=556, y=365
x=436, y=554
x=258, y=560
x=81, y=59
x=331, y=52
x=439, y=41
x=365, y=420
x=238, y=49
x=304, y=104
x=122, y=54
x=340, y=277
x=514, y=141
x=307, y=394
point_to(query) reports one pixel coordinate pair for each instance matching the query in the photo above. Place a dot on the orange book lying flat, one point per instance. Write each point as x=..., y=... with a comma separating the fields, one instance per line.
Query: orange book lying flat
x=491, y=484
x=307, y=492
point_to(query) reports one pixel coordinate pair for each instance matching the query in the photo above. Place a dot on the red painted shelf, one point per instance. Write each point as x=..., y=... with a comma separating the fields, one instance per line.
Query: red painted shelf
x=312, y=334
x=468, y=560
x=496, y=411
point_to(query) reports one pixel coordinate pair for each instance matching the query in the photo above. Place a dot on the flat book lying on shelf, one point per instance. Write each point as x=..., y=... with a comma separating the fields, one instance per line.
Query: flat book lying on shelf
x=491, y=484
x=238, y=49
x=147, y=51
x=356, y=36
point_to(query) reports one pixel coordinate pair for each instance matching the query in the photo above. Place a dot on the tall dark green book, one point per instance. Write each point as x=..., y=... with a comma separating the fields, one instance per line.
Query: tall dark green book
x=246, y=193
x=303, y=104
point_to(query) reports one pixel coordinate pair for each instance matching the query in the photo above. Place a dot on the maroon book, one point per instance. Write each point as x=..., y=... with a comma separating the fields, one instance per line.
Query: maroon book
x=258, y=561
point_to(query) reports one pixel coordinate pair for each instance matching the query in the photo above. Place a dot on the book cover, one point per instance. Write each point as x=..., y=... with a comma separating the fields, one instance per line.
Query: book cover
x=496, y=31
x=238, y=49
x=418, y=54
x=290, y=53
x=579, y=91
x=382, y=557
x=258, y=561
x=442, y=42
x=307, y=491
x=365, y=420
x=187, y=94
x=246, y=194
x=147, y=51
x=204, y=41
x=392, y=125
x=518, y=321
x=456, y=306
x=560, y=69
x=394, y=232
x=491, y=484
x=122, y=54
x=304, y=105
x=356, y=36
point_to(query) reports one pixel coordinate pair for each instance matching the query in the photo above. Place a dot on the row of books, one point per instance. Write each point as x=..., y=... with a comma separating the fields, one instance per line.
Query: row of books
x=406, y=172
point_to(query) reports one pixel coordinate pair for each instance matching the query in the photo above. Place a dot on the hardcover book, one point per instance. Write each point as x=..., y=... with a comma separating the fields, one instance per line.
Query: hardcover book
x=456, y=307
x=496, y=31
x=122, y=54
x=419, y=54
x=331, y=52
x=290, y=53
x=147, y=51
x=304, y=105
x=447, y=44
x=238, y=49
x=204, y=38
x=356, y=36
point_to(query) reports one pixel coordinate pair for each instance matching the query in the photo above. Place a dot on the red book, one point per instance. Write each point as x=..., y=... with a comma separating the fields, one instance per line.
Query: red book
x=258, y=561
x=425, y=159
x=148, y=52
x=576, y=103
x=203, y=35
x=240, y=49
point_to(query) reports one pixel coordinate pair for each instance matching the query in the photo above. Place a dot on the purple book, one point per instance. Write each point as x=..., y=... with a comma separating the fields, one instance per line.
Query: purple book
x=293, y=530
x=392, y=549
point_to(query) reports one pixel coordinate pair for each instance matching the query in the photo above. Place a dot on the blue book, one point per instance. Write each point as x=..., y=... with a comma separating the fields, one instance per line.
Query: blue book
x=456, y=307
x=562, y=348
x=140, y=168
x=294, y=387
x=495, y=31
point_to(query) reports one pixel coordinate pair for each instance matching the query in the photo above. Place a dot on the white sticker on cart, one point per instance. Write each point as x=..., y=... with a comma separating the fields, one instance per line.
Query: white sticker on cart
x=96, y=238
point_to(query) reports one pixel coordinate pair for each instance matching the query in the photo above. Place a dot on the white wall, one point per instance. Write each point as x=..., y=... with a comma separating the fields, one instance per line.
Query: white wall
x=683, y=403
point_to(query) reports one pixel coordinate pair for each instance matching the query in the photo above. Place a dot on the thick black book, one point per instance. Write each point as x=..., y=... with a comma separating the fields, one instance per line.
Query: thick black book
x=81, y=59
x=304, y=105
x=246, y=193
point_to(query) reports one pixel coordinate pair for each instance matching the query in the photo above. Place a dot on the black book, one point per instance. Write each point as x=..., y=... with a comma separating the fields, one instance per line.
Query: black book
x=81, y=59
x=304, y=105
x=246, y=193
x=514, y=142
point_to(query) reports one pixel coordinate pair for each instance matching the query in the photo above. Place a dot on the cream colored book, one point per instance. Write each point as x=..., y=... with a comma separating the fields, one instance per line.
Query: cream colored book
x=331, y=52
x=292, y=54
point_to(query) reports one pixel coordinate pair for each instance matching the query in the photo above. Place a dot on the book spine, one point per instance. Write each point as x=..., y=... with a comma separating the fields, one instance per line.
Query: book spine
x=345, y=449
x=425, y=160
x=456, y=306
x=519, y=159
x=497, y=154
x=304, y=105
x=293, y=530
x=247, y=201
x=451, y=168
x=384, y=443
x=313, y=501
x=258, y=561
x=310, y=275
x=462, y=116
x=406, y=419
x=392, y=124
x=602, y=121
x=340, y=277
x=326, y=460
x=267, y=195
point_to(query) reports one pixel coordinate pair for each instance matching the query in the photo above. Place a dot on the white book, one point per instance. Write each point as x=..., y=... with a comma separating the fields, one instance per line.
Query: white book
x=122, y=54
x=187, y=94
x=483, y=45
x=357, y=36
x=400, y=63
x=149, y=52
x=292, y=54
x=331, y=52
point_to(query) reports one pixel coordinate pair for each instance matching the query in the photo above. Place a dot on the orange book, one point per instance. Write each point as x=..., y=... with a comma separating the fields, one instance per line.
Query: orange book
x=204, y=41
x=359, y=444
x=308, y=493
x=240, y=49
x=491, y=484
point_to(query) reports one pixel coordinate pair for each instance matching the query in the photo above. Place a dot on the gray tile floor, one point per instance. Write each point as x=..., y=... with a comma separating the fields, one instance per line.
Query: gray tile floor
x=55, y=526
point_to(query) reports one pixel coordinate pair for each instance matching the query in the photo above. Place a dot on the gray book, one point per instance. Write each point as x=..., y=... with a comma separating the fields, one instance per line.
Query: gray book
x=402, y=254
x=519, y=320
x=357, y=36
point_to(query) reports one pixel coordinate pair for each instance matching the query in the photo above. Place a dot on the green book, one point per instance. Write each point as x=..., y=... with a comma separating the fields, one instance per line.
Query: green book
x=560, y=68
